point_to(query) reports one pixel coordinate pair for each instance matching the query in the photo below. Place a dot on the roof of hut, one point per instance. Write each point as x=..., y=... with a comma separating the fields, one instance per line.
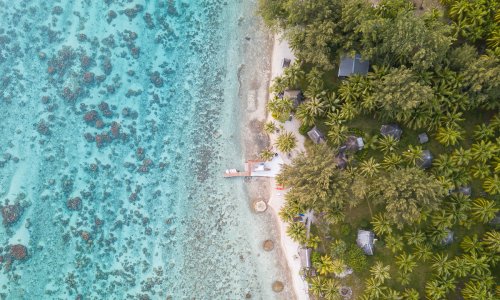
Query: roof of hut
x=365, y=241
x=315, y=135
x=391, y=129
x=353, y=65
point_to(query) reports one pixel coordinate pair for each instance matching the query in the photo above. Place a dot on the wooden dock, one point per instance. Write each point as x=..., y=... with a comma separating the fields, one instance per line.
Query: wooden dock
x=248, y=170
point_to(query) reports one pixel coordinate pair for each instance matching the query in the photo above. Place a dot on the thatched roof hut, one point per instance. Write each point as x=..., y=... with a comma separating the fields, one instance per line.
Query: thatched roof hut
x=391, y=129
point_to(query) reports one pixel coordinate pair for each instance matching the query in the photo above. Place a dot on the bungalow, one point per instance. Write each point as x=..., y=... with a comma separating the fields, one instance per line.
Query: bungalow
x=365, y=241
x=294, y=95
x=305, y=257
x=316, y=136
x=353, y=143
x=352, y=65
x=425, y=161
x=391, y=129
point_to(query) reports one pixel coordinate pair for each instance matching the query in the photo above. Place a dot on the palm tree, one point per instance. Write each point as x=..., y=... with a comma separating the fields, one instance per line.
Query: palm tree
x=391, y=294
x=280, y=108
x=442, y=219
x=411, y=294
x=374, y=288
x=337, y=134
x=484, y=151
x=270, y=127
x=413, y=154
x=293, y=75
x=434, y=291
x=443, y=165
x=423, y=251
x=380, y=272
x=478, y=264
x=285, y=142
x=315, y=107
x=406, y=262
x=471, y=244
x=331, y=291
x=491, y=185
x=480, y=170
x=459, y=268
x=369, y=167
x=267, y=154
x=440, y=264
x=461, y=157
x=415, y=237
x=484, y=132
x=491, y=241
x=394, y=243
x=388, y=144
x=317, y=286
x=279, y=85
x=297, y=232
x=381, y=225
x=348, y=111
x=483, y=210
x=304, y=116
x=392, y=161
x=476, y=290
x=403, y=278
x=449, y=135
x=325, y=265
x=313, y=242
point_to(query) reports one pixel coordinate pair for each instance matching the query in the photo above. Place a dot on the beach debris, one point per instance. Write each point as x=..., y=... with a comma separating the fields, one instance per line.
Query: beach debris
x=11, y=213
x=278, y=286
x=260, y=206
x=268, y=245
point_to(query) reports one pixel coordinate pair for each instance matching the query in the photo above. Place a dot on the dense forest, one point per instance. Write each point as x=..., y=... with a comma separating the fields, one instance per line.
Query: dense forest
x=423, y=191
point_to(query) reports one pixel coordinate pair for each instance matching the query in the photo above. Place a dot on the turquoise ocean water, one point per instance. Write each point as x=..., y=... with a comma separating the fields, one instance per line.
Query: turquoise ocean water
x=117, y=119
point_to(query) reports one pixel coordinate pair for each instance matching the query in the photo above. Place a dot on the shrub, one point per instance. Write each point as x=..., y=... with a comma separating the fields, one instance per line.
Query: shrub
x=356, y=259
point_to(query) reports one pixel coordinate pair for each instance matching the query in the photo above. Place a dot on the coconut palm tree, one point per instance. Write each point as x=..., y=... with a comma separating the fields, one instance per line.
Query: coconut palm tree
x=461, y=157
x=411, y=294
x=491, y=241
x=337, y=134
x=392, y=294
x=443, y=165
x=423, y=251
x=313, y=242
x=297, y=232
x=449, y=136
x=317, y=285
x=406, y=262
x=267, y=154
x=476, y=290
x=413, y=154
x=392, y=161
x=442, y=219
x=471, y=244
x=484, y=132
x=270, y=127
x=304, y=115
x=459, y=268
x=483, y=151
x=331, y=290
x=440, y=264
x=403, y=278
x=483, y=210
x=374, y=288
x=294, y=75
x=280, y=108
x=452, y=119
x=491, y=185
x=325, y=265
x=286, y=142
x=380, y=272
x=478, y=264
x=480, y=170
x=414, y=237
x=394, y=242
x=348, y=111
x=369, y=167
x=434, y=291
x=381, y=224
x=387, y=144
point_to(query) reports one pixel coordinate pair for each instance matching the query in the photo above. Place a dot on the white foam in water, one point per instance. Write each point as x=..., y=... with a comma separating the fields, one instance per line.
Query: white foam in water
x=135, y=209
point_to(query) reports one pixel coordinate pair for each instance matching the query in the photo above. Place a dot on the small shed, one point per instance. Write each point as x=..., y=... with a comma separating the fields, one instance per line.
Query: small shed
x=353, y=65
x=365, y=241
x=448, y=239
x=354, y=143
x=391, y=129
x=285, y=63
x=423, y=138
x=340, y=160
x=294, y=95
x=316, y=136
x=305, y=257
x=425, y=161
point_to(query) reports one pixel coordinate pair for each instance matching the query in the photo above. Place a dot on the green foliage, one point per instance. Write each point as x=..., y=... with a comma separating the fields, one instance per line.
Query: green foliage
x=286, y=142
x=270, y=127
x=379, y=272
x=280, y=108
x=483, y=210
x=266, y=154
x=297, y=231
x=356, y=259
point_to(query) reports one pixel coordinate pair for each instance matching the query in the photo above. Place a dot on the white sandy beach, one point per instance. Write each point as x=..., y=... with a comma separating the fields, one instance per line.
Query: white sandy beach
x=290, y=248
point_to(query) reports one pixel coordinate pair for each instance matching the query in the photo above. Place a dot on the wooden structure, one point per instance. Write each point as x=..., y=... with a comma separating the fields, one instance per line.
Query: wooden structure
x=249, y=167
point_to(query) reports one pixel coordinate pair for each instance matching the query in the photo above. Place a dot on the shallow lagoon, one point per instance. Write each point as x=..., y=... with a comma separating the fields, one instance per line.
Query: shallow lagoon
x=118, y=118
